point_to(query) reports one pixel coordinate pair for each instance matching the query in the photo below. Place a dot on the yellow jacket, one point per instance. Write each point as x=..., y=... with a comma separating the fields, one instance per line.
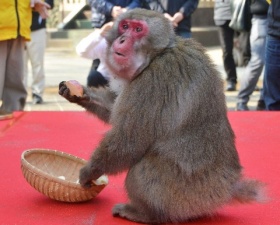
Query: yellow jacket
x=15, y=19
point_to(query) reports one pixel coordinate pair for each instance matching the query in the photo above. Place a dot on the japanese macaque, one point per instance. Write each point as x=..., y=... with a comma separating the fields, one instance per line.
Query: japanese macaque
x=170, y=129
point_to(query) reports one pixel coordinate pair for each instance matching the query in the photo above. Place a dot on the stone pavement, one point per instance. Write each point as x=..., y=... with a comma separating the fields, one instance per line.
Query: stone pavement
x=63, y=64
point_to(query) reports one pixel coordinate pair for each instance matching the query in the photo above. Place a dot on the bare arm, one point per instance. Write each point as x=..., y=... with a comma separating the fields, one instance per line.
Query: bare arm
x=40, y=7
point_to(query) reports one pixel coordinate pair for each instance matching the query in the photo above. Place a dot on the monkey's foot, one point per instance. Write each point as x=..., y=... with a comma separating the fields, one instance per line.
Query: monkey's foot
x=129, y=212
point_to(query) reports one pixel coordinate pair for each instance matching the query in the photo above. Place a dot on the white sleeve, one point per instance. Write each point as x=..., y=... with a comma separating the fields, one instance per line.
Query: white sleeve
x=89, y=47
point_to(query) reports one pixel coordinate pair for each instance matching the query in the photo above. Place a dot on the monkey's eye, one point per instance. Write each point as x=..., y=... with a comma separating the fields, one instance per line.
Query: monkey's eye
x=138, y=29
x=125, y=26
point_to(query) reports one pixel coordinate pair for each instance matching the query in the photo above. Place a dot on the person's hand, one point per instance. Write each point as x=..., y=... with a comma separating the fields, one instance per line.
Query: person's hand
x=40, y=7
x=171, y=19
x=105, y=28
x=116, y=11
x=177, y=18
x=124, y=10
x=167, y=16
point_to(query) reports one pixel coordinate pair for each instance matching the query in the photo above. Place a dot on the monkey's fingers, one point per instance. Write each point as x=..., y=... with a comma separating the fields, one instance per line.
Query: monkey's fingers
x=62, y=89
x=73, y=98
x=62, y=83
x=87, y=185
x=65, y=92
x=84, y=177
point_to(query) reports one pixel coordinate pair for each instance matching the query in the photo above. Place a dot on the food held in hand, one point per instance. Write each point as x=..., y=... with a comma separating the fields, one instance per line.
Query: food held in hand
x=75, y=88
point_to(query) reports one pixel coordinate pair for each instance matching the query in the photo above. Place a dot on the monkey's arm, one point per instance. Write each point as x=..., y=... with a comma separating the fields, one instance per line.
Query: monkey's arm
x=98, y=101
x=116, y=153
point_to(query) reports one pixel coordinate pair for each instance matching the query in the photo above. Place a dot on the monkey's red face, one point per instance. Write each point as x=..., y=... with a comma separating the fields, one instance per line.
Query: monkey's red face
x=137, y=29
x=126, y=51
x=131, y=32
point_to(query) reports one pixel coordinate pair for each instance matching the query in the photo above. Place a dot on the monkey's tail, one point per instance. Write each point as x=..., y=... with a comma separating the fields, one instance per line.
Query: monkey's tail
x=247, y=191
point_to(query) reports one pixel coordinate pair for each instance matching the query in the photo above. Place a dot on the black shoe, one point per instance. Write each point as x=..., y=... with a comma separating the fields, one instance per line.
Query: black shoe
x=231, y=86
x=257, y=88
x=260, y=105
x=36, y=99
x=242, y=107
x=4, y=115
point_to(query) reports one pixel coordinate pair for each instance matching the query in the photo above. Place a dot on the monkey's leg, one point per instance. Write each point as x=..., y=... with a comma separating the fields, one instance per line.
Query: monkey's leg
x=130, y=212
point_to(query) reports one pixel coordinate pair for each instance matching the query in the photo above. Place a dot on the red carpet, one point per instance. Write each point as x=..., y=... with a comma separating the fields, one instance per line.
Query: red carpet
x=78, y=133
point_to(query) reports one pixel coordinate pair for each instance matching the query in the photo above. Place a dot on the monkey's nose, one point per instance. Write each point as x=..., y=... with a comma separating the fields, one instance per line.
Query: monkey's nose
x=122, y=40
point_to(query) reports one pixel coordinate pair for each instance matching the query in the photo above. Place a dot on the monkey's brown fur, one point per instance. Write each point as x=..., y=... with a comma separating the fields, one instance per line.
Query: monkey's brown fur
x=171, y=132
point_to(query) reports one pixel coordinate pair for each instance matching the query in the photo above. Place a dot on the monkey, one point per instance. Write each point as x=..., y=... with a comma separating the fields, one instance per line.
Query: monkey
x=169, y=125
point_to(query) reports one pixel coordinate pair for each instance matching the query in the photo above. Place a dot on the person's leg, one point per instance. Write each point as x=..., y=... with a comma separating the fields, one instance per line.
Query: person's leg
x=261, y=103
x=244, y=43
x=95, y=78
x=226, y=35
x=36, y=50
x=14, y=92
x=255, y=66
x=3, y=57
x=272, y=74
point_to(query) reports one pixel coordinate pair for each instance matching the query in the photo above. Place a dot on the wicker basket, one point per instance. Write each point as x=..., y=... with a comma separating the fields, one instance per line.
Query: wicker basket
x=55, y=174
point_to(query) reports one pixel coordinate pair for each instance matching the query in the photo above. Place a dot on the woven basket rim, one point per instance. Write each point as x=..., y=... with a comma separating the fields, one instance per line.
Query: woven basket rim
x=45, y=175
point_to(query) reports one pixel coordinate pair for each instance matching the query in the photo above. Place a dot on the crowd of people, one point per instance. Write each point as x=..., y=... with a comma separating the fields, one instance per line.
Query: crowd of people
x=27, y=42
x=14, y=33
x=34, y=52
x=105, y=11
x=264, y=27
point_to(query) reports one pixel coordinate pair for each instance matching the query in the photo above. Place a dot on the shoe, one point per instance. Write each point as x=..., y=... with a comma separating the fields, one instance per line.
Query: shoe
x=4, y=115
x=231, y=86
x=242, y=107
x=260, y=105
x=36, y=99
x=257, y=88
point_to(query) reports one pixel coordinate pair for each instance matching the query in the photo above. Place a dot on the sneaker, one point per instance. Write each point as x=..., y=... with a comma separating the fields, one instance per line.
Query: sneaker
x=242, y=107
x=231, y=86
x=257, y=88
x=4, y=115
x=36, y=99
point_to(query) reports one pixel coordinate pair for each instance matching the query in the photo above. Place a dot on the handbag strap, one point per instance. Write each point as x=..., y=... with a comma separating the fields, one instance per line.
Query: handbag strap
x=161, y=6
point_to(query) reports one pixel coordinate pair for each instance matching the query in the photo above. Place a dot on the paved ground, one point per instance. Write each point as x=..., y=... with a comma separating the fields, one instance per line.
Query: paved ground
x=61, y=64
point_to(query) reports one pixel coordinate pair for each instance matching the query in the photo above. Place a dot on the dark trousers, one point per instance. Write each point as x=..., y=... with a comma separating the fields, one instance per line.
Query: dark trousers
x=95, y=79
x=226, y=36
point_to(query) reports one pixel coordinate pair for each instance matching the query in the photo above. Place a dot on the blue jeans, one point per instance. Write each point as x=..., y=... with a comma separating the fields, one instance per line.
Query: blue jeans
x=184, y=34
x=272, y=74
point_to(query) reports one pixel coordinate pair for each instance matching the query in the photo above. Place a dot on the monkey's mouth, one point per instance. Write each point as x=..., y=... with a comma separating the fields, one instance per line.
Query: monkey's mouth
x=119, y=54
x=120, y=58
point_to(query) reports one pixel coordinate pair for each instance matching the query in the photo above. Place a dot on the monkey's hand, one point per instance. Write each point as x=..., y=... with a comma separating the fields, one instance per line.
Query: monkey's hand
x=87, y=175
x=73, y=93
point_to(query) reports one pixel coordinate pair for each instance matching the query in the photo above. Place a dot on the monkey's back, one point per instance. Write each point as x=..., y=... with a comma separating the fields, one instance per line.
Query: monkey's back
x=190, y=162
